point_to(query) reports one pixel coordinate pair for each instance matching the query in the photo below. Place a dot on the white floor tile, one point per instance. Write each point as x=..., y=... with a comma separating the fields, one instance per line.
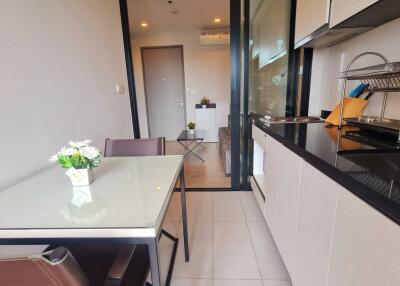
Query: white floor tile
x=166, y=245
x=199, y=206
x=174, y=213
x=191, y=282
x=277, y=283
x=238, y=283
x=252, y=211
x=233, y=254
x=227, y=207
x=200, y=245
x=165, y=248
x=172, y=227
x=268, y=258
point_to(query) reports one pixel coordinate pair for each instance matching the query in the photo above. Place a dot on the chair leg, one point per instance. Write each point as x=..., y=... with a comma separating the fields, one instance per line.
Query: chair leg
x=173, y=255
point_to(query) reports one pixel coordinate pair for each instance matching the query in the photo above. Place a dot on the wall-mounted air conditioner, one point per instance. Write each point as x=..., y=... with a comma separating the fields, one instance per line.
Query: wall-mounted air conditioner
x=214, y=38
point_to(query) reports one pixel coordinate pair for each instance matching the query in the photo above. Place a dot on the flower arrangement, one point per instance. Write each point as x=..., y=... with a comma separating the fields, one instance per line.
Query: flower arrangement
x=204, y=101
x=79, y=155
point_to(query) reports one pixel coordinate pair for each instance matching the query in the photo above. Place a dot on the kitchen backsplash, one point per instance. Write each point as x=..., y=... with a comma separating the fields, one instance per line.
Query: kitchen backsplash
x=326, y=89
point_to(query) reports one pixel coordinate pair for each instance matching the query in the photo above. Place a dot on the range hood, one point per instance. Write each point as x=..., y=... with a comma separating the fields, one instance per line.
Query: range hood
x=377, y=14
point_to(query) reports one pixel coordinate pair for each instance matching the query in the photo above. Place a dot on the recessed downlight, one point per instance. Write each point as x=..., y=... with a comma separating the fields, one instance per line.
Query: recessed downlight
x=144, y=24
x=217, y=20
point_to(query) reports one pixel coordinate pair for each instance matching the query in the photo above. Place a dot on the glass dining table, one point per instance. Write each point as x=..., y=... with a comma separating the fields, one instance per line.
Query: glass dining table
x=126, y=203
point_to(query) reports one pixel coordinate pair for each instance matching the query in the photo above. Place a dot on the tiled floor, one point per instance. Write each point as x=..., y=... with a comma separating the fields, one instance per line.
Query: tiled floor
x=229, y=241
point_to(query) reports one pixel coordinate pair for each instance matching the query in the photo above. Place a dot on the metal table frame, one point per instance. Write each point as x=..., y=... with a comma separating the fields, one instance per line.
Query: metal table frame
x=150, y=241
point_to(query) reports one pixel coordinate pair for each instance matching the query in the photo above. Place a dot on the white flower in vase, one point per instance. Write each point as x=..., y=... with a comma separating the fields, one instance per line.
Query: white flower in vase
x=79, y=159
x=89, y=152
x=80, y=144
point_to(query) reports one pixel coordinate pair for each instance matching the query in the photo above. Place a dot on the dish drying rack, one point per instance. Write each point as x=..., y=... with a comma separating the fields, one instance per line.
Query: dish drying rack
x=379, y=78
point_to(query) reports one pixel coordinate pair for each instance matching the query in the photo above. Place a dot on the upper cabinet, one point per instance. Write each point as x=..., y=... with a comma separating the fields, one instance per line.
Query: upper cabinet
x=310, y=16
x=344, y=9
x=324, y=23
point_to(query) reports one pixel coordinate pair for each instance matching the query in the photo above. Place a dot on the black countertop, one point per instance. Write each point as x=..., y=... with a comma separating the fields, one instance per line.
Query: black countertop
x=370, y=173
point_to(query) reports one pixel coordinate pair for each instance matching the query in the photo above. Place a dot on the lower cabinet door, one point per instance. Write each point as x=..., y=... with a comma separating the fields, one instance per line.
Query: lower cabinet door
x=314, y=230
x=288, y=195
x=271, y=175
x=366, y=245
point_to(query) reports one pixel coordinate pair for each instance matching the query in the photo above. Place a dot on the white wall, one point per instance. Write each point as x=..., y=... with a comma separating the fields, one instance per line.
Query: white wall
x=326, y=89
x=207, y=71
x=59, y=64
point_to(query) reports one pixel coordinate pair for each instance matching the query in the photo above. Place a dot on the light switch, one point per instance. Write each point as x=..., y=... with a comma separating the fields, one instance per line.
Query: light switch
x=120, y=88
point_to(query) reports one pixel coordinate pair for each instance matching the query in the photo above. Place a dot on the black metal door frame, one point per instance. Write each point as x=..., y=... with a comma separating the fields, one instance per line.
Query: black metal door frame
x=235, y=58
x=123, y=8
x=235, y=61
x=245, y=124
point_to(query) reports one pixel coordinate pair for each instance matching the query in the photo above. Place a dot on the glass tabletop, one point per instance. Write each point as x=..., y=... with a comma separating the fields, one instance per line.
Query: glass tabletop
x=127, y=192
x=185, y=135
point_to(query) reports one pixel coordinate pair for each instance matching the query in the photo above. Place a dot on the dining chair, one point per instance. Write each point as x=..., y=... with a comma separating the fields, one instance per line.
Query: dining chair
x=58, y=267
x=134, y=147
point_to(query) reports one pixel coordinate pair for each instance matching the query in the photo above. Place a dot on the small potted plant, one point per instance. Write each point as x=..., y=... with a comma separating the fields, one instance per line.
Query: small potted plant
x=204, y=102
x=79, y=158
x=191, y=126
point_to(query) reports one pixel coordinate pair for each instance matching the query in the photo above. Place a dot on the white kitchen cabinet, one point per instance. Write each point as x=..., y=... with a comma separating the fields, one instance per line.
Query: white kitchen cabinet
x=288, y=195
x=315, y=224
x=271, y=174
x=259, y=136
x=344, y=9
x=260, y=143
x=366, y=249
x=310, y=16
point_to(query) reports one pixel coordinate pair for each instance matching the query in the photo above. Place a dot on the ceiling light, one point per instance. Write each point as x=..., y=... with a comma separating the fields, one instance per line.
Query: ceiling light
x=144, y=24
x=217, y=20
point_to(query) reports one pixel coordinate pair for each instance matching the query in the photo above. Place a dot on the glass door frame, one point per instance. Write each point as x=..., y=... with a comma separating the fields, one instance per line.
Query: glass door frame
x=235, y=63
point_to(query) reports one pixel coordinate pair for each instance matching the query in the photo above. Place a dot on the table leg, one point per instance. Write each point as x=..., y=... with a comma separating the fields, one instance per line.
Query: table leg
x=184, y=215
x=154, y=262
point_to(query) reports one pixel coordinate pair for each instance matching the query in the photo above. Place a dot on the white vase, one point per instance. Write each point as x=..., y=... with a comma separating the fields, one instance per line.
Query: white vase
x=80, y=177
x=191, y=131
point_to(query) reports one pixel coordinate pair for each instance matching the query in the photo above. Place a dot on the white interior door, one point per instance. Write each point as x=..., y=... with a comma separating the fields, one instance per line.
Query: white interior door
x=164, y=87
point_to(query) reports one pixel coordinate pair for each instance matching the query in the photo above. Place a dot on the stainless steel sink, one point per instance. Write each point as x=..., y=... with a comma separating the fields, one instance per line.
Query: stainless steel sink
x=286, y=120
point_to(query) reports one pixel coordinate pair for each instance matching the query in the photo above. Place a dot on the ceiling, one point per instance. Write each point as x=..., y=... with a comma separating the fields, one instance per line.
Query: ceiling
x=190, y=15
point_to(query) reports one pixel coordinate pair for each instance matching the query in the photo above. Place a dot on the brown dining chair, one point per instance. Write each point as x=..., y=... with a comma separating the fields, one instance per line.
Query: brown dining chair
x=58, y=267
x=134, y=147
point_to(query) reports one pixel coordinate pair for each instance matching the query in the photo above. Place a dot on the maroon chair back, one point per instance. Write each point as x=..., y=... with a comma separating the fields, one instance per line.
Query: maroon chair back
x=134, y=147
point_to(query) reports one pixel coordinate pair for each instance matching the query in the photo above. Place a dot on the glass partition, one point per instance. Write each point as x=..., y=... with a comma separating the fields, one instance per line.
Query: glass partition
x=268, y=69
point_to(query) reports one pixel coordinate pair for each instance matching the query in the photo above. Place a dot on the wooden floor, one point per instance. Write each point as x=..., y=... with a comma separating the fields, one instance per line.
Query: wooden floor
x=198, y=174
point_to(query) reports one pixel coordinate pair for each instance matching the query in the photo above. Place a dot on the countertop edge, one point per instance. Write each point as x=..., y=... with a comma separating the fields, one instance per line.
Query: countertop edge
x=385, y=207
